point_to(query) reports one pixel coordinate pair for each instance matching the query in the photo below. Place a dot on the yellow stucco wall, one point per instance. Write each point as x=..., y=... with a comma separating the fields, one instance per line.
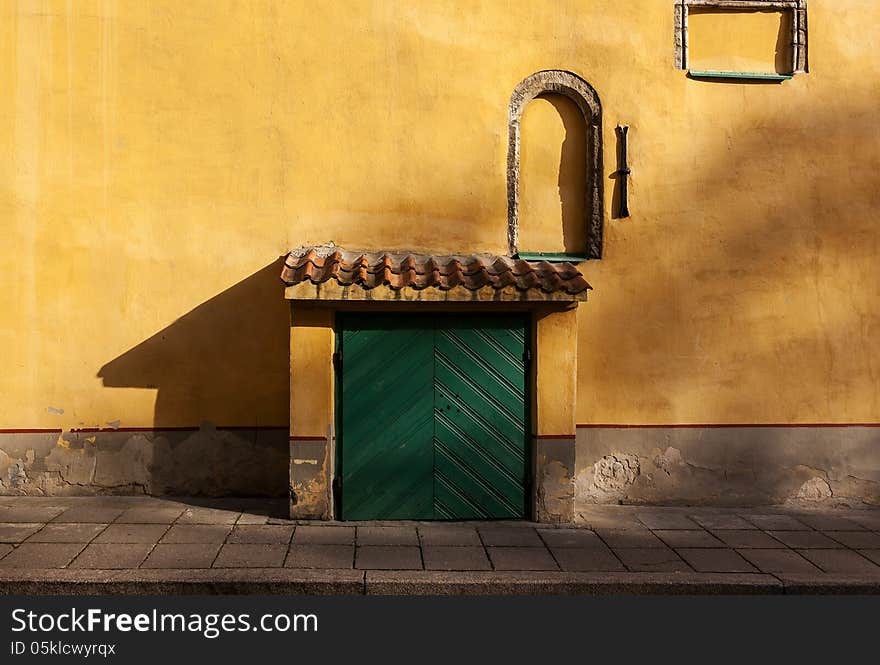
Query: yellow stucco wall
x=159, y=156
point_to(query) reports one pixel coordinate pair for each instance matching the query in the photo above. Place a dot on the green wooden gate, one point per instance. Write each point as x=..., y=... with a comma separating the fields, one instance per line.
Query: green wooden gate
x=432, y=416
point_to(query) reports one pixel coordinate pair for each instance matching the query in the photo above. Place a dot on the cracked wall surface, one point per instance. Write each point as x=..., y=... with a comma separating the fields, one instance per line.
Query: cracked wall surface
x=728, y=465
x=203, y=462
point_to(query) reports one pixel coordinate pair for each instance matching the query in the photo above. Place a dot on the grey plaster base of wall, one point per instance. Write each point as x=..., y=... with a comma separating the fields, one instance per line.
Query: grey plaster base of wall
x=554, y=479
x=728, y=465
x=203, y=462
x=310, y=480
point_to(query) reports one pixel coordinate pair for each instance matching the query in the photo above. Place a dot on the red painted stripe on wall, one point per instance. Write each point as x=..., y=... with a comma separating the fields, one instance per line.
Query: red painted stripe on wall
x=54, y=430
x=94, y=430
x=308, y=438
x=555, y=436
x=718, y=425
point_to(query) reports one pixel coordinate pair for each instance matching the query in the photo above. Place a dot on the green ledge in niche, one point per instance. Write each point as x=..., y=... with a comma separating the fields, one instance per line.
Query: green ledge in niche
x=552, y=257
x=747, y=76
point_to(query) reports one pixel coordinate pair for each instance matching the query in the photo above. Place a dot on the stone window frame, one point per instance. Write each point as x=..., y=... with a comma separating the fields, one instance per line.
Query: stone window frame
x=569, y=84
x=798, y=9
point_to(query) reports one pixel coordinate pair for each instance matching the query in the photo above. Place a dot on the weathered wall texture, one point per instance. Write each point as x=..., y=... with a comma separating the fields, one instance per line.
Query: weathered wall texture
x=728, y=465
x=159, y=156
x=204, y=461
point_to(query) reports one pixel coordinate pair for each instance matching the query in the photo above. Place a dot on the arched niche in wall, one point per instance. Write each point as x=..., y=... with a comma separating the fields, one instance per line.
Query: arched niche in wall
x=574, y=106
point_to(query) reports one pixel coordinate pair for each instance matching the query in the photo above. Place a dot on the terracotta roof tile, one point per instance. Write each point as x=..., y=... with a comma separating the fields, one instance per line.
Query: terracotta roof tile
x=421, y=271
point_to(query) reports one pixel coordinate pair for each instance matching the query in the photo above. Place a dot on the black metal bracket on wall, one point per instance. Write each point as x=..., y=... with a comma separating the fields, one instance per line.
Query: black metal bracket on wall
x=623, y=172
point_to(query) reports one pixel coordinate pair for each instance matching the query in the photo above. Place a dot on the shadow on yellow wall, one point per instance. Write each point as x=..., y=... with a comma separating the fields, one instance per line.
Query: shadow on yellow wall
x=226, y=361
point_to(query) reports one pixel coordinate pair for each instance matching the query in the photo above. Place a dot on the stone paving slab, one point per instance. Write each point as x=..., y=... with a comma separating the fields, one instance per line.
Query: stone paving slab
x=132, y=533
x=449, y=536
x=393, y=557
x=716, y=561
x=91, y=513
x=630, y=538
x=495, y=536
x=208, y=516
x=180, y=555
x=112, y=555
x=32, y=514
x=592, y=559
x=776, y=522
x=873, y=555
x=652, y=559
x=251, y=555
x=150, y=515
x=805, y=539
x=688, y=538
x=574, y=538
x=748, y=538
x=67, y=533
x=841, y=561
x=261, y=534
x=41, y=555
x=197, y=533
x=666, y=520
x=320, y=556
x=856, y=540
x=521, y=558
x=324, y=535
x=779, y=561
x=826, y=522
x=387, y=535
x=867, y=519
x=455, y=558
x=16, y=532
x=722, y=521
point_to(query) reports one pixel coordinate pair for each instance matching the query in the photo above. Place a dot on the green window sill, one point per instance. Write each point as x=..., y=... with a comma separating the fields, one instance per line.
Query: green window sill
x=749, y=76
x=551, y=257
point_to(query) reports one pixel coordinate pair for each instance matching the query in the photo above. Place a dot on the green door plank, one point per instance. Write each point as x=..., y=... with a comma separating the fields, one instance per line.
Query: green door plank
x=387, y=419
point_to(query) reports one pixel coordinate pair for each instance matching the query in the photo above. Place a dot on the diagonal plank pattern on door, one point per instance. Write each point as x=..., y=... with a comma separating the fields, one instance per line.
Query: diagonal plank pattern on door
x=433, y=417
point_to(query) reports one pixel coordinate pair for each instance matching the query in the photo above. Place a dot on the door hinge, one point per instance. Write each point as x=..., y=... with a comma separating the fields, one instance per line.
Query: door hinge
x=337, y=361
x=527, y=356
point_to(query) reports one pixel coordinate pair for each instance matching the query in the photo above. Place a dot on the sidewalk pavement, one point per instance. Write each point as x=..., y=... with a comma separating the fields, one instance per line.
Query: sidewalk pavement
x=144, y=545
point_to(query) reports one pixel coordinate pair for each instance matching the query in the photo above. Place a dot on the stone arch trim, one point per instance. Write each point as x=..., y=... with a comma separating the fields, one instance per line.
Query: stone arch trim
x=584, y=96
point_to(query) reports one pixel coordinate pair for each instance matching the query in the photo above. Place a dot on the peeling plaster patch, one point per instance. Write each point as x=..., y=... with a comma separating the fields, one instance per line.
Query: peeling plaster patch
x=53, y=410
x=609, y=477
x=815, y=489
x=668, y=460
x=554, y=495
x=75, y=464
x=16, y=475
x=5, y=461
x=114, y=423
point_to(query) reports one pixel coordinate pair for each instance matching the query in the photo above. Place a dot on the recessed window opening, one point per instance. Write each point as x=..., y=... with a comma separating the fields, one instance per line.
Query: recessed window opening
x=553, y=177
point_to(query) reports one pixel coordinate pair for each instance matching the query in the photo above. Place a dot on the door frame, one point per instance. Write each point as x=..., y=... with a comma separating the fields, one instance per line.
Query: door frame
x=552, y=382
